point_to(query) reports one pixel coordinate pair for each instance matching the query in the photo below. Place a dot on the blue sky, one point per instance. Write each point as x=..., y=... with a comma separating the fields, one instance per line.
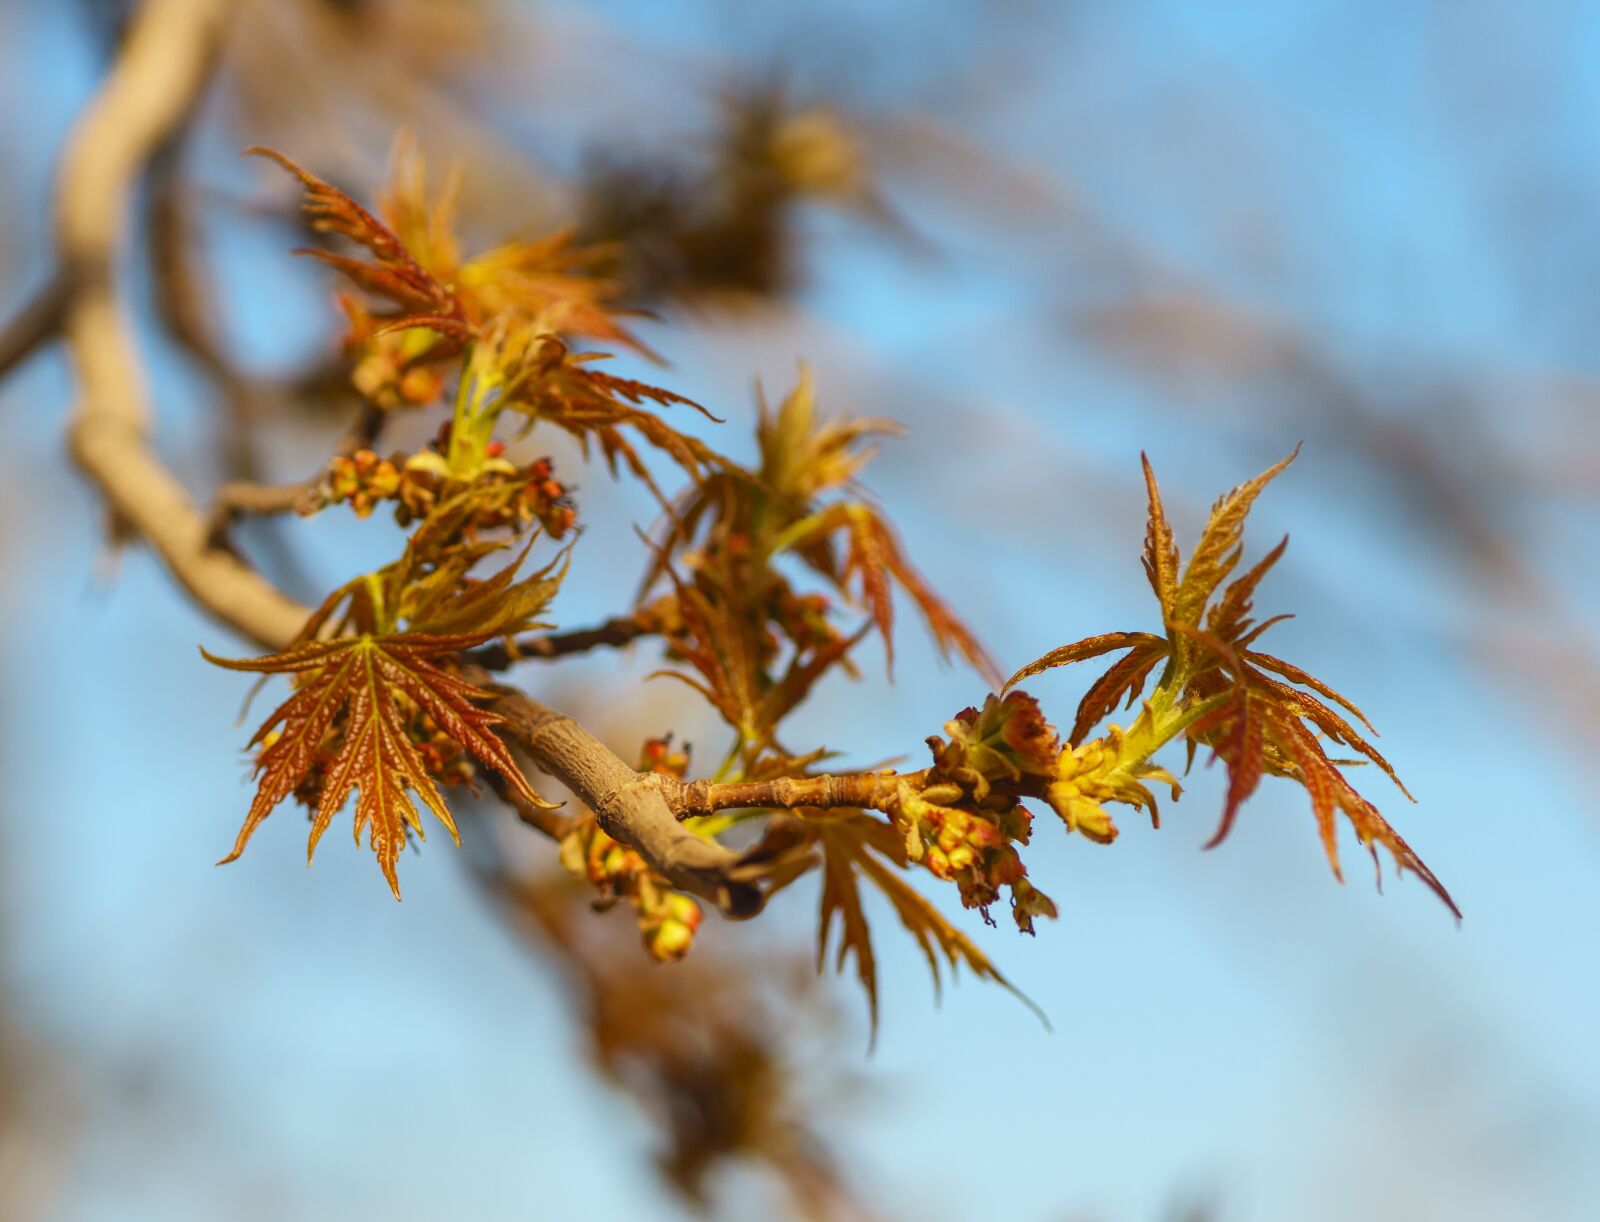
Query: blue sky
x=1408, y=183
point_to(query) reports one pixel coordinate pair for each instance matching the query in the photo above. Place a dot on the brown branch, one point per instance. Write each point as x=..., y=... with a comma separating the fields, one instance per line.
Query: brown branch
x=552, y=823
x=631, y=806
x=183, y=300
x=185, y=303
x=240, y=497
x=862, y=790
x=614, y=633
x=186, y=308
x=35, y=324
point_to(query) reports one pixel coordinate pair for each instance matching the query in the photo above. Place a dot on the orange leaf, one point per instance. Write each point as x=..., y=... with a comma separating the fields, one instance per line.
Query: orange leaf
x=1082, y=651
x=392, y=274
x=353, y=708
x=1125, y=678
x=1218, y=550
x=856, y=845
x=1160, y=552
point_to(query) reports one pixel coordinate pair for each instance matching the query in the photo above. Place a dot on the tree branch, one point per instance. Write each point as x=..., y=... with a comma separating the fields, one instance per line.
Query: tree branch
x=631, y=806
x=862, y=790
x=160, y=74
x=237, y=498
x=614, y=633
x=553, y=823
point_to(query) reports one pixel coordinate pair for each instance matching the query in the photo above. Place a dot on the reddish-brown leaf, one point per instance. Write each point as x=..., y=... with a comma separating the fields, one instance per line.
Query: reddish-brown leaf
x=1081, y=651
x=804, y=669
x=856, y=845
x=1330, y=792
x=1229, y=616
x=353, y=707
x=1255, y=723
x=872, y=557
x=594, y=406
x=1217, y=552
x=1160, y=551
x=393, y=273
x=1125, y=680
x=1295, y=675
x=934, y=933
x=1324, y=718
x=841, y=898
x=1240, y=748
x=548, y=281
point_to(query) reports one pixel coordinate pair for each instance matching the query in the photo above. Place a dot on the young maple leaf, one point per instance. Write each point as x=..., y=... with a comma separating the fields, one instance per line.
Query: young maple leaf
x=419, y=298
x=547, y=282
x=542, y=285
x=1242, y=708
x=872, y=557
x=1123, y=682
x=348, y=725
x=592, y=406
x=801, y=456
x=724, y=648
x=531, y=290
x=774, y=509
x=426, y=226
x=855, y=846
x=716, y=633
x=349, y=693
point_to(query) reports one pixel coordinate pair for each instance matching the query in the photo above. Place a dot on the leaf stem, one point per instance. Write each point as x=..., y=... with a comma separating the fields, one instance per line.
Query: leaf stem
x=1164, y=717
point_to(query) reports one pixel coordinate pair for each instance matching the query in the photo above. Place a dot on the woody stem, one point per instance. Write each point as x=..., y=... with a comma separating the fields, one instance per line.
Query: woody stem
x=862, y=790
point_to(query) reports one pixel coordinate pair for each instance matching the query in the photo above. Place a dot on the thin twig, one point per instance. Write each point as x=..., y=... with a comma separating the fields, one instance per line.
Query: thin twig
x=241, y=498
x=614, y=633
x=37, y=323
x=862, y=791
x=552, y=823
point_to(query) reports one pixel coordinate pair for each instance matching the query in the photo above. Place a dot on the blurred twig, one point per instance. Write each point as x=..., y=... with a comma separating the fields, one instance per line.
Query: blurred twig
x=161, y=71
x=37, y=323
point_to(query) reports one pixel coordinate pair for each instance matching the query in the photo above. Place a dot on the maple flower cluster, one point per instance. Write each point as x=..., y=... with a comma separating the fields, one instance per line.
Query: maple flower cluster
x=965, y=821
x=505, y=496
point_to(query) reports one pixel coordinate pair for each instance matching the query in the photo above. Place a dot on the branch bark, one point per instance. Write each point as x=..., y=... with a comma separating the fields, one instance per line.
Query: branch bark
x=631, y=806
x=159, y=76
x=861, y=790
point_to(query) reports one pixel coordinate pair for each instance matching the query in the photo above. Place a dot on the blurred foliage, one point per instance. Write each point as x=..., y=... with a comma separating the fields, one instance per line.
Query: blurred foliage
x=726, y=1053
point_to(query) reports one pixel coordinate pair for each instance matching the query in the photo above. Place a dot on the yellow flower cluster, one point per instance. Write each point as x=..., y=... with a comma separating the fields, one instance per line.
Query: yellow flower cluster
x=667, y=919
